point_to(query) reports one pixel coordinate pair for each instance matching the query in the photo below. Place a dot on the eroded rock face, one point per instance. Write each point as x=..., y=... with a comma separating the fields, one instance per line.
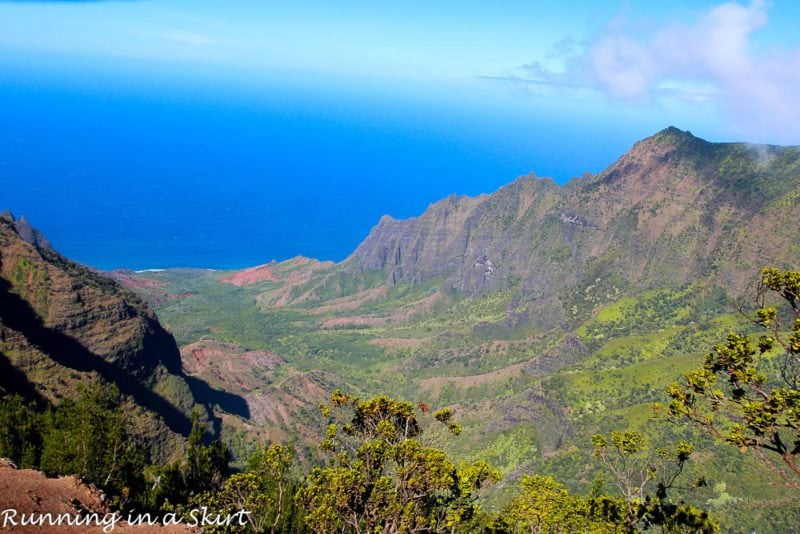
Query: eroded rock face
x=229, y=366
x=274, y=404
x=673, y=208
x=62, y=323
x=84, y=305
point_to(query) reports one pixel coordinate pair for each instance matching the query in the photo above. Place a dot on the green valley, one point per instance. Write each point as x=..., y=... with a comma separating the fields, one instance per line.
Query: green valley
x=541, y=315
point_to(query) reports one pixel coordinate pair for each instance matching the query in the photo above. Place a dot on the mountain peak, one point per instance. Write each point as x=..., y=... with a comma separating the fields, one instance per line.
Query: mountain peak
x=649, y=204
x=673, y=137
x=671, y=132
x=28, y=233
x=671, y=146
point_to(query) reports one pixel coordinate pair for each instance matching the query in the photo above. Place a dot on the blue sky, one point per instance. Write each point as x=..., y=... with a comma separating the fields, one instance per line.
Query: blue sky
x=732, y=65
x=204, y=133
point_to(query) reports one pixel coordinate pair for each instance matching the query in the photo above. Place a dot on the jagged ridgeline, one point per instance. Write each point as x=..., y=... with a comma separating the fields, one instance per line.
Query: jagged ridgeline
x=63, y=325
x=674, y=209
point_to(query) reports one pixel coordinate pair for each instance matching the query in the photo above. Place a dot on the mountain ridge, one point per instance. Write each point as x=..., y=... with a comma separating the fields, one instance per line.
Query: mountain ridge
x=659, y=189
x=63, y=325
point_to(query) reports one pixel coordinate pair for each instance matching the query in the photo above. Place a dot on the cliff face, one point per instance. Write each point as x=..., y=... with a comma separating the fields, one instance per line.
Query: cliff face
x=28, y=233
x=674, y=208
x=62, y=324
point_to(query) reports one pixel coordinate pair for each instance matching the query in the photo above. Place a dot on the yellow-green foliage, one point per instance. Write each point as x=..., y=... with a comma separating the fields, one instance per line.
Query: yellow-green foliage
x=509, y=449
x=616, y=310
x=789, y=200
x=265, y=491
x=382, y=479
x=620, y=351
x=487, y=308
x=629, y=385
x=744, y=396
x=544, y=505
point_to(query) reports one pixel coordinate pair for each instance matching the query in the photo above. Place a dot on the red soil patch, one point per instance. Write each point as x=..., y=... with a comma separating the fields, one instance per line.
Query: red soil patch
x=360, y=320
x=30, y=492
x=435, y=384
x=352, y=302
x=399, y=316
x=229, y=366
x=152, y=290
x=253, y=275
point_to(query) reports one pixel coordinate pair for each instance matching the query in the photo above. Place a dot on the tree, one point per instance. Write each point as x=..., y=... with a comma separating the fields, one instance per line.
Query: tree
x=202, y=469
x=21, y=428
x=747, y=395
x=545, y=506
x=89, y=437
x=381, y=478
x=206, y=466
x=272, y=470
x=636, y=469
x=265, y=491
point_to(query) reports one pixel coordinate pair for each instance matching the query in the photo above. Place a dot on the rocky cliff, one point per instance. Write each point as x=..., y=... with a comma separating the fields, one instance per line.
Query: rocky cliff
x=674, y=208
x=62, y=324
x=28, y=233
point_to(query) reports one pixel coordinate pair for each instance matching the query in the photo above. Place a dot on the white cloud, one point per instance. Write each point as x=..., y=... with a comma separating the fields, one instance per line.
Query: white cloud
x=709, y=62
x=622, y=66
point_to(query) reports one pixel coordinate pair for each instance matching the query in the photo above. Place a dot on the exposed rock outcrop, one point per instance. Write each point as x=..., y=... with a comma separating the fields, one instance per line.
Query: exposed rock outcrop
x=28, y=233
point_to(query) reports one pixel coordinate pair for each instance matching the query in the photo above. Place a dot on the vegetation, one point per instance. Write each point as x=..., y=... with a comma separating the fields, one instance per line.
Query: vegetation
x=86, y=436
x=381, y=478
x=266, y=490
x=380, y=474
x=747, y=395
x=604, y=379
x=545, y=505
x=645, y=477
x=92, y=437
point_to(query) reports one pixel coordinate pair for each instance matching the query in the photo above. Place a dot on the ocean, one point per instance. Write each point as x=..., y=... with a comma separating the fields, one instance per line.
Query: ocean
x=127, y=175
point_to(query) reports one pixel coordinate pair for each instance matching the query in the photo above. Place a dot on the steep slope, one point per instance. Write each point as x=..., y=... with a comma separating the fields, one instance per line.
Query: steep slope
x=28, y=233
x=475, y=284
x=62, y=324
x=661, y=214
x=275, y=403
x=675, y=208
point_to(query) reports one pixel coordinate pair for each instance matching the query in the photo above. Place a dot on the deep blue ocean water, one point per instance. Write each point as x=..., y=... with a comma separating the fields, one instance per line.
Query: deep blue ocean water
x=121, y=174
